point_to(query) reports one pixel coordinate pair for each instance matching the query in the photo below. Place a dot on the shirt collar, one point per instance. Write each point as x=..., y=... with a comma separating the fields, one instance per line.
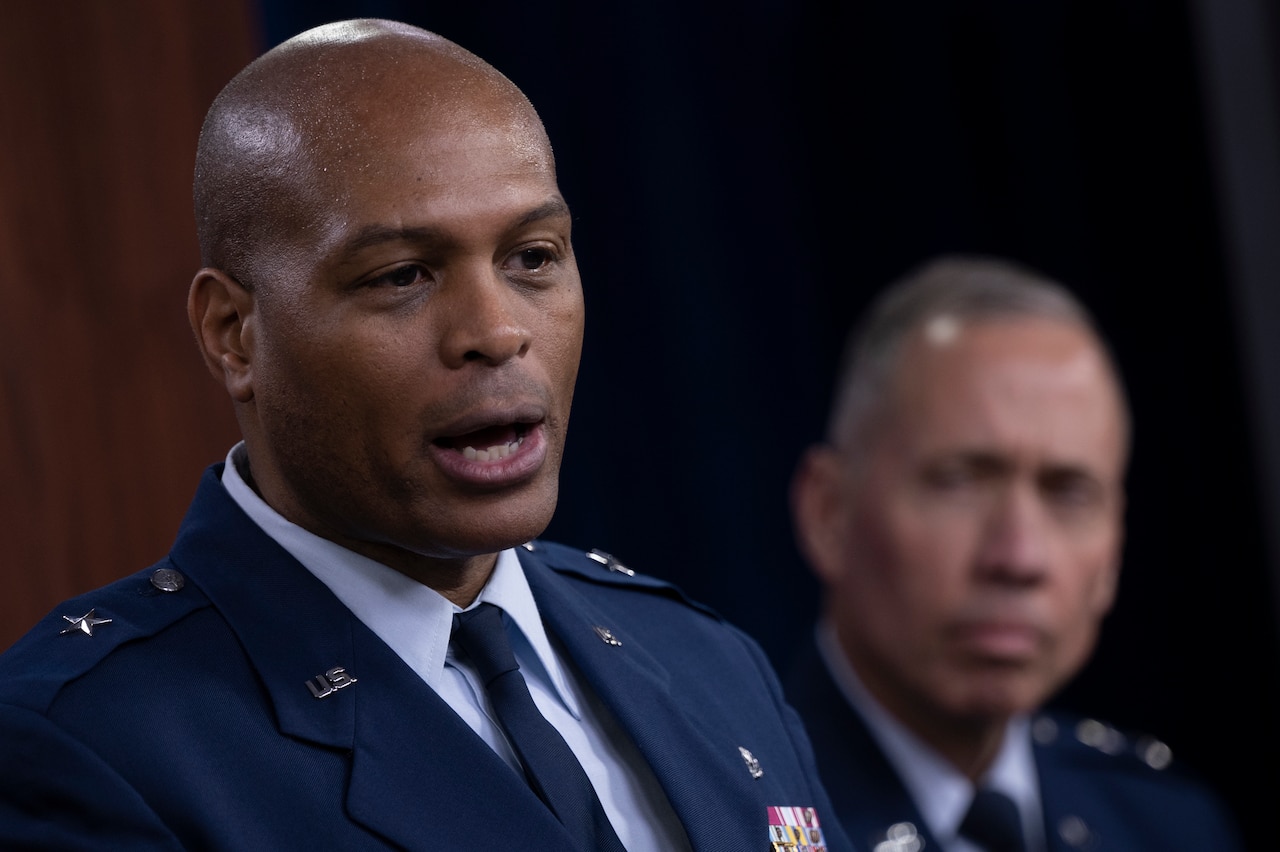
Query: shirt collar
x=939, y=790
x=508, y=588
x=413, y=619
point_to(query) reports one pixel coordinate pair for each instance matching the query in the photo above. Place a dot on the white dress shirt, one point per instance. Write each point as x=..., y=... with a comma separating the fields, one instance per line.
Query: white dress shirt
x=416, y=622
x=939, y=790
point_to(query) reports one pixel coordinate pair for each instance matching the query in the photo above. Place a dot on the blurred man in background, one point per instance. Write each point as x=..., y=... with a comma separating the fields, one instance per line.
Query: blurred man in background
x=965, y=517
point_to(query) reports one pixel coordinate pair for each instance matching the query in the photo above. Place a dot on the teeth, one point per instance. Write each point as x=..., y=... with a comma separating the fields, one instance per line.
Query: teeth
x=498, y=451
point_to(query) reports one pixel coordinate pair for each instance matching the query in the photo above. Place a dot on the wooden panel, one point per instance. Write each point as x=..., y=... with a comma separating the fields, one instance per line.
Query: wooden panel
x=107, y=415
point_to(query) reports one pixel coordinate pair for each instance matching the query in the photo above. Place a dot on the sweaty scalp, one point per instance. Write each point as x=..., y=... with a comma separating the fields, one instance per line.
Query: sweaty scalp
x=262, y=173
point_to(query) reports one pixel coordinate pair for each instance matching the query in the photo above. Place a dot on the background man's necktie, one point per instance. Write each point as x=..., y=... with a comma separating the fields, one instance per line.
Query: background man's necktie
x=550, y=766
x=993, y=823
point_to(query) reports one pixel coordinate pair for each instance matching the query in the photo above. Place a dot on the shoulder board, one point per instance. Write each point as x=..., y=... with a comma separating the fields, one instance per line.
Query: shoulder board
x=80, y=632
x=1094, y=740
x=598, y=566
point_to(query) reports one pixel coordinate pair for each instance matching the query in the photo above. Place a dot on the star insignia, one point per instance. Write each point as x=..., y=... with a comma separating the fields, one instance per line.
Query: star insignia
x=83, y=624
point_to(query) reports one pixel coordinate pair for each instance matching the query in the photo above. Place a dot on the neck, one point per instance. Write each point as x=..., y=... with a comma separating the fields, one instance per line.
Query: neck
x=970, y=746
x=969, y=742
x=458, y=578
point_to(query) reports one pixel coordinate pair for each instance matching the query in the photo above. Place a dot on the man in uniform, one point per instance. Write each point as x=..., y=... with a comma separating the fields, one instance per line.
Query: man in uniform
x=357, y=640
x=964, y=516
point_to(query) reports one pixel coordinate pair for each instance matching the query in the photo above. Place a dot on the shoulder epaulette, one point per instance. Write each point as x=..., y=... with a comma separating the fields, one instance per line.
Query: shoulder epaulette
x=1092, y=737
x=82, y=631
x=599, y=566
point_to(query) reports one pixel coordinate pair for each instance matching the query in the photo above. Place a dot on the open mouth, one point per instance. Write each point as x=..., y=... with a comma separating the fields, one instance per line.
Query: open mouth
x=488, y=444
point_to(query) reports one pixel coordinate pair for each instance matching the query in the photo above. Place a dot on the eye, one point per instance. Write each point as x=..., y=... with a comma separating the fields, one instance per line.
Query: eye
x=949, y=475
x=401, y=276
x=1071, y=488
x=532, y=259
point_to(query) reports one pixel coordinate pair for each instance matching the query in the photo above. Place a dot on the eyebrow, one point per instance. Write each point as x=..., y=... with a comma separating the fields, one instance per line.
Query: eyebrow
x=994, y=462
x=372, y=235
x=548, y=210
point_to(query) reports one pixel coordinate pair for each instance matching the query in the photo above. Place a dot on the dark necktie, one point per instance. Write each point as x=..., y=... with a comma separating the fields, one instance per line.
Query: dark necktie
x=550, y=767
x=993, y=823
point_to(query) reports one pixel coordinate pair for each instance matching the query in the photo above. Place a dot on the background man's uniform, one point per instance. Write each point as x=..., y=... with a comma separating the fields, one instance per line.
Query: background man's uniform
x=1096, y=789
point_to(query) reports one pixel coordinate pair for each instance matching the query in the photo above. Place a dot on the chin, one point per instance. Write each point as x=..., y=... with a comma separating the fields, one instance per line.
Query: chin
x=507, y=525
x=1000, y=698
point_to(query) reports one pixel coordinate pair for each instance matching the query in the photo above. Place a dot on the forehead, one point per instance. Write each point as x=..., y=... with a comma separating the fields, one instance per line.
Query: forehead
x=418, y=150
x=411, y=142
x=438, y=121
x=1030, y=386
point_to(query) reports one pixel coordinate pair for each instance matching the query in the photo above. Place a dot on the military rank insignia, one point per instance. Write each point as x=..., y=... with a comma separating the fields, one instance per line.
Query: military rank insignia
x=794, y=829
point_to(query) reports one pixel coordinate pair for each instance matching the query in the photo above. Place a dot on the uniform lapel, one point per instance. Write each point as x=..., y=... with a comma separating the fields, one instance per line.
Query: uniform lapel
x=708, y=787
x=422, y=778
x=291, y=626
x=870, y=799
x=419, y=775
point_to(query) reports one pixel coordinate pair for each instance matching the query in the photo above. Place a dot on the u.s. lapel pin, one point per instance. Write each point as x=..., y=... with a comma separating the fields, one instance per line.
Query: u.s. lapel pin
x=606, y=635
x=753, y=765
x=84, y=624
x=322, y=686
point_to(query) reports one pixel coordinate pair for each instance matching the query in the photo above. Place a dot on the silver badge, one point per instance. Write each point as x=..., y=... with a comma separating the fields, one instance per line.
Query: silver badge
x=167, y=580
x=608, y=561
x=901, y=837
x=753, y=765
x=84, y=624
x=330, y=682
x=606, y=635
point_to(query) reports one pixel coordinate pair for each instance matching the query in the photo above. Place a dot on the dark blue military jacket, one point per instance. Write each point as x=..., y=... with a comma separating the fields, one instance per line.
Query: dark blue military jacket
x=1101, y=791
x=250, y=710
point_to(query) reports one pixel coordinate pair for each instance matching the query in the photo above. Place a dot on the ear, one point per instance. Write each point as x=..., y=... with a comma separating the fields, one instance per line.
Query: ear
x=221, y=313
x=818, y=513
x=1104, y=595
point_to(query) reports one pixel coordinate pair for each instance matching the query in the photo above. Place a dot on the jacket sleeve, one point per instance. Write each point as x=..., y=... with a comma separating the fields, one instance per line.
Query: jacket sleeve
x=55, y=794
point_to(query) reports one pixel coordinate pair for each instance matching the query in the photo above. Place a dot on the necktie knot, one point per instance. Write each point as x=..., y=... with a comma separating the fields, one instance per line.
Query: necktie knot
x=482, y=635
x=993, y=823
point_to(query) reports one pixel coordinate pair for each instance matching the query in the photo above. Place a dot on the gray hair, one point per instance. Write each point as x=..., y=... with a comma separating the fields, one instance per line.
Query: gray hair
x=963, y=288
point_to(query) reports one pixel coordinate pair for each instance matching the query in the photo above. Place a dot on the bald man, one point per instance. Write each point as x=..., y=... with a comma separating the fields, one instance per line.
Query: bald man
x=358, y=641
x=965, y=517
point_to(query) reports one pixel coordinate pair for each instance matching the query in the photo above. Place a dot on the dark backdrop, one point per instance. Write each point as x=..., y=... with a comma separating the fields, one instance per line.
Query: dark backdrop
x=745, y=176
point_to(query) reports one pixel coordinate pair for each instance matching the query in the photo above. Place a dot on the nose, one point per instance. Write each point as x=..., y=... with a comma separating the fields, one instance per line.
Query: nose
x=1015, y=546
x=483, y=320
